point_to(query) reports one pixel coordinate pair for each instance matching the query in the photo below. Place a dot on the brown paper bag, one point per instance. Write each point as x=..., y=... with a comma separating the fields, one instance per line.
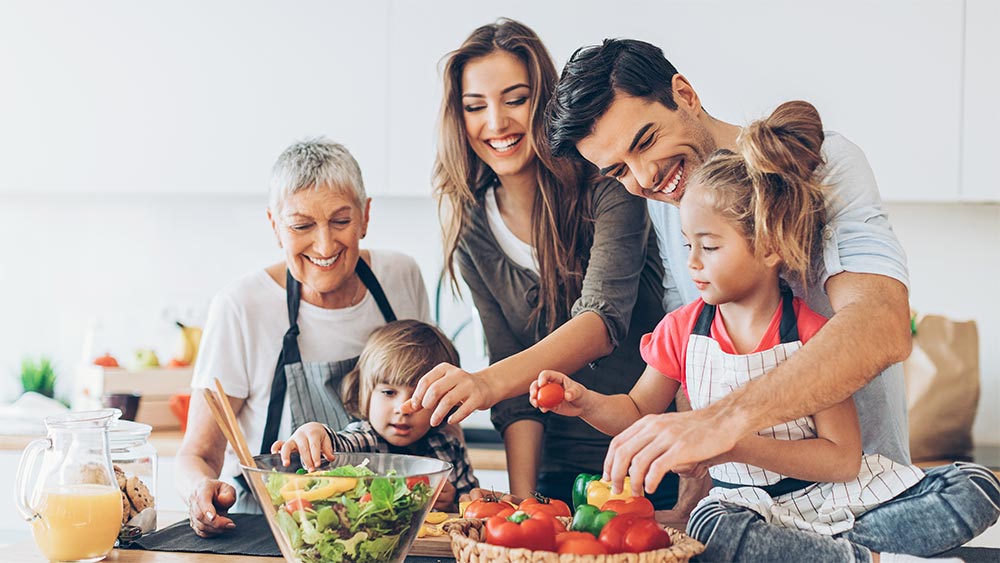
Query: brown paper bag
x=942, y=388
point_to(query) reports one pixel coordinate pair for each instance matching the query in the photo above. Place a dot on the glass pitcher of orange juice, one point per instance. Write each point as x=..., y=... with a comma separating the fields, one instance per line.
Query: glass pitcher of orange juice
x=75, y=505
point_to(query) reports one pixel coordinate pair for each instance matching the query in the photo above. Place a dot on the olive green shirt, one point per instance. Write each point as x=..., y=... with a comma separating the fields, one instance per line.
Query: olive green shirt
x=622, y=284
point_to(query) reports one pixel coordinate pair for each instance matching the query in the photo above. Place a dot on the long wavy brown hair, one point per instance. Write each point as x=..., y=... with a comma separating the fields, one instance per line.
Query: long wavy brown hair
x=561, y=231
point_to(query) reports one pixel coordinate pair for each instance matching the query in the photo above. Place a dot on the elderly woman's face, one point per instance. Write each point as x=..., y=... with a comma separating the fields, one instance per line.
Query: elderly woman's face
x=320, y=231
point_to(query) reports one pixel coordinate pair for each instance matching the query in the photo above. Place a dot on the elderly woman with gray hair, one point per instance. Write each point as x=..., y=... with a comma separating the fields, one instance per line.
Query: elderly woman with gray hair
x=281, y=339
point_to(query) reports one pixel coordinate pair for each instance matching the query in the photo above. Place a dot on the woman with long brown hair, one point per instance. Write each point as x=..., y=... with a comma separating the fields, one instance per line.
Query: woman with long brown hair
x=562, y=268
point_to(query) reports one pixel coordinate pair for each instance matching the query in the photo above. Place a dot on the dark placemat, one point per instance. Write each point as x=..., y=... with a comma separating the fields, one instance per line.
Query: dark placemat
x=252, y=536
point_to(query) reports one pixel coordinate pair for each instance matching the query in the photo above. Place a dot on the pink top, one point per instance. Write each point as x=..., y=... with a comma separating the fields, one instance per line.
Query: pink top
x=666, y=347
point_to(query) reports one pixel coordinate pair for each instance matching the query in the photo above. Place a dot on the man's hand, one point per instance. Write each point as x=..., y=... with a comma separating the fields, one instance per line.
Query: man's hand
x=448, y=387
x=207, y=507
x=659, y=443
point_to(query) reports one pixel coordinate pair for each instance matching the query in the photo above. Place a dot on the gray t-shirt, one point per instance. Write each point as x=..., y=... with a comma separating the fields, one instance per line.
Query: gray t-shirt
x=622, y=284
x=857, y=238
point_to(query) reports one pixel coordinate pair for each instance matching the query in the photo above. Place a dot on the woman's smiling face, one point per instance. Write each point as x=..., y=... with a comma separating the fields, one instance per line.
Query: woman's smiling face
x=320, y=230
x=496, y=102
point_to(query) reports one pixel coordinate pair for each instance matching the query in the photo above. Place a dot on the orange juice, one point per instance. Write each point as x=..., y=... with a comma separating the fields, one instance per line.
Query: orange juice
x=78, y=522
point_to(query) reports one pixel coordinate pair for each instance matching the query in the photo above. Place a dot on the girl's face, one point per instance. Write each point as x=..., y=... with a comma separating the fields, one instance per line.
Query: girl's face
x=496, y=104
x=320, y=231
x=720, y=261
x=385, y=417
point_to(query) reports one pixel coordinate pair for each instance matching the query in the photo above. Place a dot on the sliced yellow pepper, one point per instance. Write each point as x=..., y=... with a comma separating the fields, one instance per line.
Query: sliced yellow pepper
x=599, y=492
x=326, y=488
x=435, y=517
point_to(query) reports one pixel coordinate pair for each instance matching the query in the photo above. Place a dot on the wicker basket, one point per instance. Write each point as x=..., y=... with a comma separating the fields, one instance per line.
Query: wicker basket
x=469, y=546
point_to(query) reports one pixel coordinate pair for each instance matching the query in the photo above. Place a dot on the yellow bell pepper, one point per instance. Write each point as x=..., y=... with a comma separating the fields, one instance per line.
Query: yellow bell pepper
x=326, y=487
x=599, y=492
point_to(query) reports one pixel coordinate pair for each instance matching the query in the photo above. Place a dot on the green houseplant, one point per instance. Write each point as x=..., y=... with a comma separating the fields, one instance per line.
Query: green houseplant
x=38, y=376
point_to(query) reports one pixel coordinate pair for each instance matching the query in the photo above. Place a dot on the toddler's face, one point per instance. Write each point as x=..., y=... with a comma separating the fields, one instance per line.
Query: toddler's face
x=385, y=417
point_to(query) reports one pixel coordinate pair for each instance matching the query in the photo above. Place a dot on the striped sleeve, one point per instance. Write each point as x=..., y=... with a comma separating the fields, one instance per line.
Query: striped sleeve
x=355, y=437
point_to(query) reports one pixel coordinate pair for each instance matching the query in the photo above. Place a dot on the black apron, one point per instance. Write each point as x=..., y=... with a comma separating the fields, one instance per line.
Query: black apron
x=313, y=388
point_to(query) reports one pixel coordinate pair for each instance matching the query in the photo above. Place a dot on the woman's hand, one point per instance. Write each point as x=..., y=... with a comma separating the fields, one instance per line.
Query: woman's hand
x=311, y=441
x=207, y=507
x=573, y=393
x=448, y=387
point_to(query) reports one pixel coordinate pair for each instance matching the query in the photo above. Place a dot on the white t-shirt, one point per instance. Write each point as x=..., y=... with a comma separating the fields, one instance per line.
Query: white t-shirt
x=520, y=252
x=248, y=319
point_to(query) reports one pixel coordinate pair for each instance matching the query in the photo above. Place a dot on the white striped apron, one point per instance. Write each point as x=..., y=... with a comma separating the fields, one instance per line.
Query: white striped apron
x=824, y=508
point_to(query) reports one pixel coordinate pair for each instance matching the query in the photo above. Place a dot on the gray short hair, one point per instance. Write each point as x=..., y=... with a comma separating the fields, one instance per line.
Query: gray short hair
x=315, y=163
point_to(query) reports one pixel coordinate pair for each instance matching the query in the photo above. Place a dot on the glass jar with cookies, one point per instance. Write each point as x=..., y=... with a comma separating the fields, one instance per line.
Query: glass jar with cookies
x=134, y=461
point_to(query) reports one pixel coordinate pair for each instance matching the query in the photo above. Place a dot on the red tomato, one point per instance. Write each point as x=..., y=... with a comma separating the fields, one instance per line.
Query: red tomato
x=640, y=506
x=629, y=533
x=579, y=543
x=536, y=532
x=539, y=503
x=488, y=506
x=549, y=395
x=411, y=481
x=297, y=504
x=367, y=497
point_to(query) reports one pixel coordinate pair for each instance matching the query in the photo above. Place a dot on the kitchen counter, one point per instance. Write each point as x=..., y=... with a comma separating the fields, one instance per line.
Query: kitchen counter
x=27, y=552
x=167, y=442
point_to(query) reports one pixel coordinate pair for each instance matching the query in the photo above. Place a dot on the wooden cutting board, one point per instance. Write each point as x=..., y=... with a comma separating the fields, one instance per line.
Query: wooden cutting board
x=433, y=546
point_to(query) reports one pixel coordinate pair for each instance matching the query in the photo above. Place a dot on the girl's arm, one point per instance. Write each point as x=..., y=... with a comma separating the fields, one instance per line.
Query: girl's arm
x=834, y=456
x=611, y=414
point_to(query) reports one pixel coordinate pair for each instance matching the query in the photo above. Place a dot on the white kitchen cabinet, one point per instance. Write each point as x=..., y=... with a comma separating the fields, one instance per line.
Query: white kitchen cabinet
x=982, y=92
x=885, y=74
x=199, y=98
x=167, y=97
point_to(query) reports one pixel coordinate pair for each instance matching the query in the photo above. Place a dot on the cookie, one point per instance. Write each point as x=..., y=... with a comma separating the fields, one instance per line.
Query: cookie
x=120, y=476
x=138, y=494
x=126, y=509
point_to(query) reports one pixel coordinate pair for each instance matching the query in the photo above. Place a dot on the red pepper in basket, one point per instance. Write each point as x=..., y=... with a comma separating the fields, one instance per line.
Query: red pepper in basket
x=629, y=533
x=536, y=532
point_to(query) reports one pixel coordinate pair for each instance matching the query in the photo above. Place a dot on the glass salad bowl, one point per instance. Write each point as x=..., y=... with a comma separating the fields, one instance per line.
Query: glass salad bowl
x=359, y=508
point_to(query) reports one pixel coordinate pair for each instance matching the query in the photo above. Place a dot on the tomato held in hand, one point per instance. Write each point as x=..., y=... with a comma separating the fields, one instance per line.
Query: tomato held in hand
x=549, y=395
x=541, y=503
x=488, y=506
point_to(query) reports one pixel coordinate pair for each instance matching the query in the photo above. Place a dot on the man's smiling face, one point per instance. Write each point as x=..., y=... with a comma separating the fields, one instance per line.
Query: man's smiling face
x=648, y=147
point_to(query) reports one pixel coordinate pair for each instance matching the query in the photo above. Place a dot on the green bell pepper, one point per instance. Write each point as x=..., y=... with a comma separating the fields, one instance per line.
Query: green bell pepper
x=590, y=519
x=580, y=488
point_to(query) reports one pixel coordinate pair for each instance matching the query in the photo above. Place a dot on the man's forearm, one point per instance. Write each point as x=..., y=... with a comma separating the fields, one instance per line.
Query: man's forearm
x=868, y=333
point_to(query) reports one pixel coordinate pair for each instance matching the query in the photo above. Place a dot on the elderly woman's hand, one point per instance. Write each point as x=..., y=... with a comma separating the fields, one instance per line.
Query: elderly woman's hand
x=448, y=387
x=207, y=507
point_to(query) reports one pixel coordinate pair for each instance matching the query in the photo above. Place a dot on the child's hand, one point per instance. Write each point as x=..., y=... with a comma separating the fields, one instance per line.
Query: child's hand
x=573, y=393
x=311, y=441
x=446, y=500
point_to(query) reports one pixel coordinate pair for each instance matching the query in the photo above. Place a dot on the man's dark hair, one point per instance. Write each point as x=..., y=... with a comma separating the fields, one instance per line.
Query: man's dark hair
x=592, y=77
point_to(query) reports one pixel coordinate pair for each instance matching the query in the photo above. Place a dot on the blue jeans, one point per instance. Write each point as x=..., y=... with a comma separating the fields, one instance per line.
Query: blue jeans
x=951, y=505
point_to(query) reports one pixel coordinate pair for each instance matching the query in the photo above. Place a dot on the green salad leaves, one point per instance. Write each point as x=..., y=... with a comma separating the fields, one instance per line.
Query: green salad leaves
x=363, y=525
